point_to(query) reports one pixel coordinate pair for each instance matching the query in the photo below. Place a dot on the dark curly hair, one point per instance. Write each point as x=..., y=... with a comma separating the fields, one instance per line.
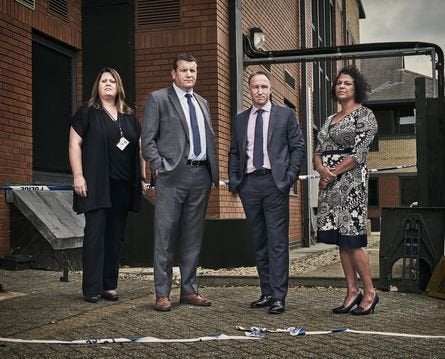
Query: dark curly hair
x=361, y=86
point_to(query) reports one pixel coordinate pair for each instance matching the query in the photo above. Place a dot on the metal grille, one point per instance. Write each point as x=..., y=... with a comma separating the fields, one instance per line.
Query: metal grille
x=267, y=67
x=28, y=3
x=59, y=8
x=157, y=12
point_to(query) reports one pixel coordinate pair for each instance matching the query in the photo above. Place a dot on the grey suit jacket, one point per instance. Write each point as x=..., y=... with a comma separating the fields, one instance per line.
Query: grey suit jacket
x=285, y=146
x=165, y=136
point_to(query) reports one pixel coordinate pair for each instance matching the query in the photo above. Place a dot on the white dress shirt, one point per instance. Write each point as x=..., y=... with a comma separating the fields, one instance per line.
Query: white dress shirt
x=201, y=125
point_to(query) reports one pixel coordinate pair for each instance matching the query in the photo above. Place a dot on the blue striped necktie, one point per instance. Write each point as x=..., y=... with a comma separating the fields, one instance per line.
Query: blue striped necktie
x=194, y=126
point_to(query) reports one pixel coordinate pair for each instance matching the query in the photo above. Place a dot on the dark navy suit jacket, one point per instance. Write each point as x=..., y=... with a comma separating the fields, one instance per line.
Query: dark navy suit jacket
x=285, y=146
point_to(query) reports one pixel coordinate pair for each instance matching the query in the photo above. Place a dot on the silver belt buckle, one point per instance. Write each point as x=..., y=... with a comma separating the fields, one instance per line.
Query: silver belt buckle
x=194, y=163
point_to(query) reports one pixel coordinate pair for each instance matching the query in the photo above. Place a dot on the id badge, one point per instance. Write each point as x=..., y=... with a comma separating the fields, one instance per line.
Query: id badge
x=123, y=142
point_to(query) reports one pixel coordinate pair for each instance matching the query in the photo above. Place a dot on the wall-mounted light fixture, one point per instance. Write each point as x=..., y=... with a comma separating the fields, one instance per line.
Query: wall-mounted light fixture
x=258, y=38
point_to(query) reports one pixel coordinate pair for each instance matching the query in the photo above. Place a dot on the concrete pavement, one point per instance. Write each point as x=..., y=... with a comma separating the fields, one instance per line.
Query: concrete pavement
x=36, y=305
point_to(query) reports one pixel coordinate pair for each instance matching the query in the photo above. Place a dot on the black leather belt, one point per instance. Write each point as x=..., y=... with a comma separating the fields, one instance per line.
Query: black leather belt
x=261, y=172
x=195, y=163
x=337, y=152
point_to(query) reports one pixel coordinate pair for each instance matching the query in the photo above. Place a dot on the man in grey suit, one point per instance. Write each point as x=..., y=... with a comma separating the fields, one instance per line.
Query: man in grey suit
x=266, y=153
x=178, y=141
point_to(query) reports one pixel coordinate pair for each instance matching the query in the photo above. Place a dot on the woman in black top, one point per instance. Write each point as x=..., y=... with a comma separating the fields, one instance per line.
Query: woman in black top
x=107, y=170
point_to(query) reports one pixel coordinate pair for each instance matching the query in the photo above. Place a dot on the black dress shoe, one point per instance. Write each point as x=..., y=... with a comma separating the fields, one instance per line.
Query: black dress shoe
x=91, y=298
x=111, y=296
x=263, y=301
x=276, y=306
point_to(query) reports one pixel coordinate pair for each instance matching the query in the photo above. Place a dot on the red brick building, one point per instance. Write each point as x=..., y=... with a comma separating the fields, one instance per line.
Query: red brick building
x=51, y=50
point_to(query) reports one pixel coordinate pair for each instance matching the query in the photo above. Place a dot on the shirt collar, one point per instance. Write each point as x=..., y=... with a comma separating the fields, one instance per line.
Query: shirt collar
x=267, y=107
x=180, y=92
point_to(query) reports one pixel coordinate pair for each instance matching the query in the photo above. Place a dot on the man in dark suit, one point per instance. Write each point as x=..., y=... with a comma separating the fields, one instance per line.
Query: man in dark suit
x=265, y=158
x=178, y=141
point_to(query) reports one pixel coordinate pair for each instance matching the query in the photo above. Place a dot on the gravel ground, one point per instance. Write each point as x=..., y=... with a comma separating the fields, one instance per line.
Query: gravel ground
x=302, y=265
x=297, y=266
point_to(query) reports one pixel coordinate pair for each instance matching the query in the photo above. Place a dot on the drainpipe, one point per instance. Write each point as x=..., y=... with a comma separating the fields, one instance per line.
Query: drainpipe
x=357, y=51
x=236, y=55
x=306, y=127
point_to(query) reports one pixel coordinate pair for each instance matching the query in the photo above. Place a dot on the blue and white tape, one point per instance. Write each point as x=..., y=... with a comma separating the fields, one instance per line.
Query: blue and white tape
x=128, y=340
x=37, y=187
x=68, y=187
x=370, y=170
x=252, y=333
x=259, y=332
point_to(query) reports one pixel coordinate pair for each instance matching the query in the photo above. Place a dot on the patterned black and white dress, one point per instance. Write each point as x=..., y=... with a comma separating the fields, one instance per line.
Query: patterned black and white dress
x=343, y=205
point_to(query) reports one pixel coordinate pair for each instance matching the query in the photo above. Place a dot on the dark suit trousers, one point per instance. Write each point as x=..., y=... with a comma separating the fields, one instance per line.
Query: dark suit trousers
x=103, y=237
x=181, y=205
x=267, y=211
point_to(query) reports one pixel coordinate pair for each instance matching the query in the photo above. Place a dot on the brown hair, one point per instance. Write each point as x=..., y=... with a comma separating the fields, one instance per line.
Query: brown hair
x=184, y=57
x=95, y=101
x=258, y=73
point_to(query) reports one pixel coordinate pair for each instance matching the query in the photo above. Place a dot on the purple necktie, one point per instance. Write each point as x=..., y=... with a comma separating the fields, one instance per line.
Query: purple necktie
x=258, y=141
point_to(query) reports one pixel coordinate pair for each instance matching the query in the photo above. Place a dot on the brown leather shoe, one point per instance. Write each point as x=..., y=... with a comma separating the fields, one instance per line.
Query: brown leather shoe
x=195, y=299
x=163, y=304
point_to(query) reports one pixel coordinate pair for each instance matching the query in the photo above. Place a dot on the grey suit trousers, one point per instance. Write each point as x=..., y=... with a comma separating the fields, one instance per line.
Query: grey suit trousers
x=181, y=204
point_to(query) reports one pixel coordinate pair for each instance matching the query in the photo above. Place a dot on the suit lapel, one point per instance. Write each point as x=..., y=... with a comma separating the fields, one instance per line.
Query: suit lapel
x=205, y=112
x=177, y=106
x=272, y=122
x=244, y=121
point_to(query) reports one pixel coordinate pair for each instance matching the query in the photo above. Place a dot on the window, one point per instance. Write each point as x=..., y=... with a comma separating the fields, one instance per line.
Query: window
x=59, y=8
x=373, y=192
x=52, y=104
x=374, y=147
x=289, y=80
x=28, y=3
x=323, y=31
x=407, y=122
x=267, y=67
x=396, y=122
x=408, y=190
x=158, y=12
x=289, y=104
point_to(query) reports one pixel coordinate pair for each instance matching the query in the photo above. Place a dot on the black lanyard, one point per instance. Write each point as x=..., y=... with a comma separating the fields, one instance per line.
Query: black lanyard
x=116, y=121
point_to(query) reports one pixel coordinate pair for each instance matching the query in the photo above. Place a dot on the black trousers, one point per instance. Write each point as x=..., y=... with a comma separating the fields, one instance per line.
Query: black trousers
x=103, y=237
x=267, y=211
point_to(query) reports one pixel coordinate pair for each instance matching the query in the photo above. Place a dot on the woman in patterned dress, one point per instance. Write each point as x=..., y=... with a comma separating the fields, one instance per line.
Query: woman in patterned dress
x=341, y=160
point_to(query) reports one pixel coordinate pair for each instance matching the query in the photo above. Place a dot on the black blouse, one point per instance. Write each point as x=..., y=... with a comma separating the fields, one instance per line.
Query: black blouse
x=121, y=161
x=90, y=124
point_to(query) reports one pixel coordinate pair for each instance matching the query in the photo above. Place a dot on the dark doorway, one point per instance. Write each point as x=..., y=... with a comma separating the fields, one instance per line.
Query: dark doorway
x=108, y=40
x=408, y=190
x=52, y=104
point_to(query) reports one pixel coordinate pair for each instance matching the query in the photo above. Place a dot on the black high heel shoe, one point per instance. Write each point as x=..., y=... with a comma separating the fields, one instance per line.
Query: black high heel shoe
x=361, y=311
x=343, y=310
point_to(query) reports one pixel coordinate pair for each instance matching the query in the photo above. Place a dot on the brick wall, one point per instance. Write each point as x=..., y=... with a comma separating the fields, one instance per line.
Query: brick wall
x=272, y=19
x=16, y=27
x=203, y=30
x=352, y=12
x=16, y=110
x=198, y=34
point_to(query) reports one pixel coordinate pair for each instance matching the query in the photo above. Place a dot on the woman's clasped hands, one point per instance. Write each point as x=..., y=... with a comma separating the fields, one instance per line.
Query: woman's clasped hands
x=327, y=176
